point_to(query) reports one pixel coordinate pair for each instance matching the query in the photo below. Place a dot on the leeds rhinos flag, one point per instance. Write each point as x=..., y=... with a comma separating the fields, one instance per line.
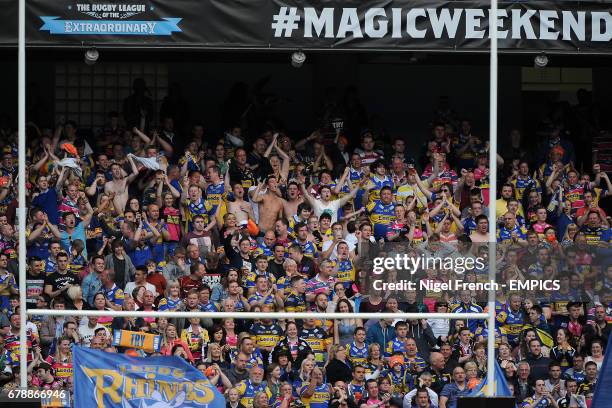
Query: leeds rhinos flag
x=113, y=380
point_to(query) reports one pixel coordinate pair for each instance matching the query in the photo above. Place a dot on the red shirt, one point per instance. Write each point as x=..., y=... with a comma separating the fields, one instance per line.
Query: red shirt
x=582, y=210
x=187, y=284
x=157, y=279
x=173, y=220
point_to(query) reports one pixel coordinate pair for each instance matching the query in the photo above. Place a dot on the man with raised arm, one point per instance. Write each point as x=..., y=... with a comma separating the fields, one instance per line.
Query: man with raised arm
x=325, y=204
x=119, y=184
x=270, y=203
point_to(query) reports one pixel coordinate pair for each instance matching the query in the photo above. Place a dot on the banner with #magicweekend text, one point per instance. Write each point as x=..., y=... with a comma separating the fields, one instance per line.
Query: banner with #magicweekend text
x=119, y=381
x=563, y=26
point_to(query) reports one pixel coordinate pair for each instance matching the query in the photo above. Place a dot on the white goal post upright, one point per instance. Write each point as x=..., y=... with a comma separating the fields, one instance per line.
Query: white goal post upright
x=490, y=391
x=21, y=196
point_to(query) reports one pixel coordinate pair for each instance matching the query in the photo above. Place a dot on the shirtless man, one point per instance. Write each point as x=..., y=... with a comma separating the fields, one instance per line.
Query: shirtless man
x=270, y=204
x=240, y=208
x=481, y=233
x=119, y=184
x=290, y=206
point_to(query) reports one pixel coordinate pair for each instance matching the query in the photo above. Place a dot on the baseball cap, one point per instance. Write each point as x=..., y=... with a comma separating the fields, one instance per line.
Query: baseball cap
x=394, y=360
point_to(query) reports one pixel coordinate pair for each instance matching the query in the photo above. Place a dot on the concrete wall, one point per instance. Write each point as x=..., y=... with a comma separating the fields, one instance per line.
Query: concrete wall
x=8, y=101
x=40, y=82
x=602, y=89
x=207, y=85
x=403, y=96
x=406, y=95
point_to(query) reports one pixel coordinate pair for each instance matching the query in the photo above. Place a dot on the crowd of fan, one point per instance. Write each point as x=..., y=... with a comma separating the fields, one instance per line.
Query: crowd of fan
x=144, y=219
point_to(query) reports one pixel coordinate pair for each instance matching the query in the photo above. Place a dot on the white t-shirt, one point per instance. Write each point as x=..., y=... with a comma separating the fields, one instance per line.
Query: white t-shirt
x=32, y=328
x=440, y=327
x=326, y=244
x=86, y=333
x=351, y=240
x=331, y=207
x=132, y=285
x=599, y=364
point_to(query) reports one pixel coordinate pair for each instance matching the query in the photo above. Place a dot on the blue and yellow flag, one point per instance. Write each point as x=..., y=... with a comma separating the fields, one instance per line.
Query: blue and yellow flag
x=603, y=387
x=545, y=338
x=500, y=386
x=113, y=380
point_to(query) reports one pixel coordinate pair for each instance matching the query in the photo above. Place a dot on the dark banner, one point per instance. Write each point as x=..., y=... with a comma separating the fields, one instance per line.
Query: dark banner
x=322, y=24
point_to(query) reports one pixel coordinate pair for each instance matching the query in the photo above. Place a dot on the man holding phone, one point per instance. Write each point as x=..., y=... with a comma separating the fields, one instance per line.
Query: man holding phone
x=541, y=398
x=571, y=399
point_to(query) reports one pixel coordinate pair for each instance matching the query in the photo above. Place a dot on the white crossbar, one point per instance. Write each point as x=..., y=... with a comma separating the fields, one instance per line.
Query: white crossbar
x=255, y=315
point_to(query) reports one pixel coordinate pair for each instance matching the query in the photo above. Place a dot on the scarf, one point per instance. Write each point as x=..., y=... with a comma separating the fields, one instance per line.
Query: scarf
x=71, y=163
x=148, y=162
